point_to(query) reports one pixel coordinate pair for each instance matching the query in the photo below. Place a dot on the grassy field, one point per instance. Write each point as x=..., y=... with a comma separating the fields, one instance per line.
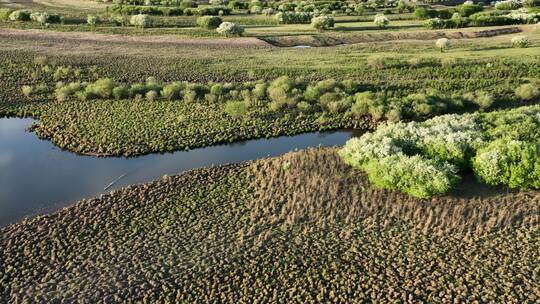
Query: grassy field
x=313, y=226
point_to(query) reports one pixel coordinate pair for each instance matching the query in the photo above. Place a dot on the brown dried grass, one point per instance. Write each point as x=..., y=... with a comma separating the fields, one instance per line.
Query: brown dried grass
x=315, y=187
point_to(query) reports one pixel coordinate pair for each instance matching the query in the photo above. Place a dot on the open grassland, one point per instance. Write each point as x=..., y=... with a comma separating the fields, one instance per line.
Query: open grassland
x=301, y=227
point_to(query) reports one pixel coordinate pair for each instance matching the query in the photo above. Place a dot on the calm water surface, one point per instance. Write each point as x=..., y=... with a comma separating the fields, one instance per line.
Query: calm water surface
x=37, y=177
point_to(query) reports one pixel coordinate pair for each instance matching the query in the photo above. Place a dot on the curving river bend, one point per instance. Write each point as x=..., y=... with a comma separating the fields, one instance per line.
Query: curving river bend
x=36, y=177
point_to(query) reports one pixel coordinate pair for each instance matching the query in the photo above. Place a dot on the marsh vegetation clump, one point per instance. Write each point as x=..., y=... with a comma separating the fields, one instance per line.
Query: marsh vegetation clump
x=528, y=91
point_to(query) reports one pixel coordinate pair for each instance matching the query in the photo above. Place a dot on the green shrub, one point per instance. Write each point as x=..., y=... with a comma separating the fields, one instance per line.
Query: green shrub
x=120, y=92
x=209, y=22
x=189, y=95
x=44, y=18
x=63, y=92
x=528, y=92
x=465, y=10
x=288, y=17
x=515, y=164
x=235, y=109
x=482, y=99
x=188, y=4
x=424, y=13
x=93, y=20
x=172, y=91
x=414, y=175
x=5, y=13
x=322, y=23
x=214, y=10
x=20, y=15
x=102, y=88
x=279, y=89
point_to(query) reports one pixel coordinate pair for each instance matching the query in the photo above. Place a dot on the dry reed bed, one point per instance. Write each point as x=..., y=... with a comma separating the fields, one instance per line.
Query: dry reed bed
x=315, y=186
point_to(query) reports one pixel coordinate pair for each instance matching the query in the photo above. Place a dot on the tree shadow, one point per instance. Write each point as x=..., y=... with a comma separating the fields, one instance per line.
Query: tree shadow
x=469, y=187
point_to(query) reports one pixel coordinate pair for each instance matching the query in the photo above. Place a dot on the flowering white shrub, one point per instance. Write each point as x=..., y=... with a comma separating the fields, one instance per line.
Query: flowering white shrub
x=438, y=146
x=381, y=20
x=508, y=4
x=442, y=43
x=322, y=22
x=230, y=29
x=523, y=15
x=141, y=21
x=513, y=163
x=520, y=41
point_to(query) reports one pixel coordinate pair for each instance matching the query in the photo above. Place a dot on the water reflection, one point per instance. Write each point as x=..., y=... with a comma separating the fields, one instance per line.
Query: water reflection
x=37, y=177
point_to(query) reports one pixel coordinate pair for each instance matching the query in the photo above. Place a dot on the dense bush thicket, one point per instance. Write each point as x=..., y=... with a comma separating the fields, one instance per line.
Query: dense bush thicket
x=26, y=15
x=423, y=159
x=484, y=19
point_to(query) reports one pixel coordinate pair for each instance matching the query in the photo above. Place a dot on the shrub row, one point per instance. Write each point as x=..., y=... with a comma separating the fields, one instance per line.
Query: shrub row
x=293, y=17
x=284, y=92
x=483, y=19
x=26, y=15
x=148, y=10
x=169, y=3
x=169, y=11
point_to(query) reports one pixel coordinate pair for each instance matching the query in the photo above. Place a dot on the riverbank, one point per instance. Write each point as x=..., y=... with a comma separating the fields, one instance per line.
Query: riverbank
x=58, y=178
x=302, y=221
